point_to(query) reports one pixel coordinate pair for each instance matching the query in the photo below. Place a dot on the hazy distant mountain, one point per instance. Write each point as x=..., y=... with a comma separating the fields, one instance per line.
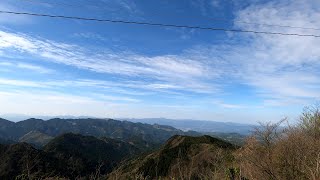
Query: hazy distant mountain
x=181, y=157
x=21, y=117
x=200, y=125
x=183, y=124
x=37, y=130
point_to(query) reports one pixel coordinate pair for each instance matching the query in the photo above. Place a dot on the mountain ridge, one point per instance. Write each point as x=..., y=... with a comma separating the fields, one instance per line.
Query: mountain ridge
x=146, y=135
x=179, y=152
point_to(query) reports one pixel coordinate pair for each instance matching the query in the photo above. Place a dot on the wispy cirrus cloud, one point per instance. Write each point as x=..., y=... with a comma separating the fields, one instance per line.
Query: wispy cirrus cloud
x=172, y=70
x=32, y=67
x=223, y=104
x=22, y=83
x=25, y=66
x=282, y=70
x=280, y=67
x=53, y=86
x=277, y=68
x=130, y=88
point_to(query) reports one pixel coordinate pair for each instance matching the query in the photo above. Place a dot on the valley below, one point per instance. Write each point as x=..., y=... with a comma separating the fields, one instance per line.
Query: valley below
x=108, y=149
x=111, y=149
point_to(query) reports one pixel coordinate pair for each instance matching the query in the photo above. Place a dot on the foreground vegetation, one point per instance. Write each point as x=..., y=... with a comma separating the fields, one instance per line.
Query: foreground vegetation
x=274, y=152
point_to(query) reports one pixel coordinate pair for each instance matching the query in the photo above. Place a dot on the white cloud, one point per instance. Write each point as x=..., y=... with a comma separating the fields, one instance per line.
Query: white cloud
x=294, y=85
x=278, y=68
x=53, y=85
x=130, y=88
x=283, y=68
x=5, y=64
x=222, y=104
x=183, y=70
x=25, y=66
x=175, y=66
x=34, y=68
x=115, y=98
x=21, y=83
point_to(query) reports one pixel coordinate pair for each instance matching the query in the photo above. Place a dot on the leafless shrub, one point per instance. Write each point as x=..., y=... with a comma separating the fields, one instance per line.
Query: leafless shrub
x=274, y=152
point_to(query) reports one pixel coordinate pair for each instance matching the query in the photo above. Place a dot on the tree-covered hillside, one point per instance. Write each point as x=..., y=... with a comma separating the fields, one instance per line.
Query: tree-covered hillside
x=38, y=132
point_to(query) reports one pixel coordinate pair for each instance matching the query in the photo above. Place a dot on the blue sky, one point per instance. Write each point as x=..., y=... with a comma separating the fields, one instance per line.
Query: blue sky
x=57, y=67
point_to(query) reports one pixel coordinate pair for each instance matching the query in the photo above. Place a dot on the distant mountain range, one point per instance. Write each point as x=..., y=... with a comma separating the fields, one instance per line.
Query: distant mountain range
x=200, y=125
x=183, y=124
x=110, y=149
x=39, y=132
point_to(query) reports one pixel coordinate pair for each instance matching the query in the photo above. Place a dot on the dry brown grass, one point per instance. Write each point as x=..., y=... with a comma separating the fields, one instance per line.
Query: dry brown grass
x=277, y=153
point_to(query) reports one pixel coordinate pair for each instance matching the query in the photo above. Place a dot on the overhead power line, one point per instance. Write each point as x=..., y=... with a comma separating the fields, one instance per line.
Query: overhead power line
x=159, y=24
x=263, y=24
x=212, y=19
